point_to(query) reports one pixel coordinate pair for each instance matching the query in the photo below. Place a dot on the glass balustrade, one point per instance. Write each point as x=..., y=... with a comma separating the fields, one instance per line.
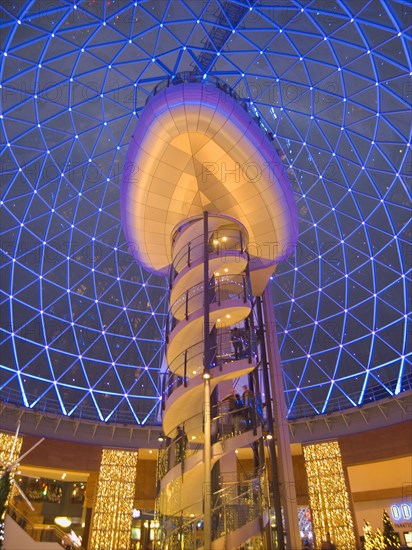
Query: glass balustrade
x=224, y=243
x=221, y=288
x=223, y=349
x=188, y=440
x=234, y=505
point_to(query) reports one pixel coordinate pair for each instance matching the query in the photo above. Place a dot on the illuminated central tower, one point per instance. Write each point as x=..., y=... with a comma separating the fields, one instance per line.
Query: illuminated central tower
x=206, y=201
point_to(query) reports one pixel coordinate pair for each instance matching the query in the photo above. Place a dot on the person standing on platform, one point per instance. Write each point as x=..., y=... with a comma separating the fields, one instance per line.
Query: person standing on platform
x=237, y=343
x=248, y=398
x=238, y=414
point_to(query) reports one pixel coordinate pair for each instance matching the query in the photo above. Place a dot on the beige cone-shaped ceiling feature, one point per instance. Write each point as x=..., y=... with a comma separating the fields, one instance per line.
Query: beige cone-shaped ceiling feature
x=195, y=148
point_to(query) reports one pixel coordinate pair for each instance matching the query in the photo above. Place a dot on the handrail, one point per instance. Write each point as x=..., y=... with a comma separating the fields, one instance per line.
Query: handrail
x=31, y=528
x=219, y=245
x=226, y=424
x=194, y=77
x=373, y=394
x=49, y=406
x=221, y=352
x=220, y=288
x=237, y=505
x=77, y=411
x=184, y=522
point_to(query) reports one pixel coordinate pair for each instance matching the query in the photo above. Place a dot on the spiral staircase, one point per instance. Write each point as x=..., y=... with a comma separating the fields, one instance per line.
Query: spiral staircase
x=239, y=504
x=206, y=199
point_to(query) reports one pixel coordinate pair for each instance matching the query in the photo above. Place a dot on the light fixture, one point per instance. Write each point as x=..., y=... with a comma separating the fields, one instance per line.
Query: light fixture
x=328, y=494
x=112, y=519
x=206, y=375
x=62, y=521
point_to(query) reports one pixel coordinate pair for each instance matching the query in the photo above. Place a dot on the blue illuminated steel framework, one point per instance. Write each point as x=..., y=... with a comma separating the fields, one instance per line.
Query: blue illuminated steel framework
x=81, y=324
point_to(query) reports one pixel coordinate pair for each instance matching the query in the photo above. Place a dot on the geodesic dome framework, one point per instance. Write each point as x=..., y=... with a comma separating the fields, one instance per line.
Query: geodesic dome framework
x=81, y=323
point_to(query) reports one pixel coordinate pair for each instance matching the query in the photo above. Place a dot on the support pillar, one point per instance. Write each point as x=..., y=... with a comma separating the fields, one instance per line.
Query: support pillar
x=207, y=490
x=207, y=479
x=287, y=481
x=277, y=504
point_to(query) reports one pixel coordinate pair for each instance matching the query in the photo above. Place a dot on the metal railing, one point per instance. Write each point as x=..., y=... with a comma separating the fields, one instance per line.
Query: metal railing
x=39, y=532
x=182, y=530
x=225, y=287
x=234, y=505
x=195, y=77
x=190, y=362
x=52, y=407
x=237, y=504
x=75, y=410
x=373, y=394
x=225, y=424
x=223, y=242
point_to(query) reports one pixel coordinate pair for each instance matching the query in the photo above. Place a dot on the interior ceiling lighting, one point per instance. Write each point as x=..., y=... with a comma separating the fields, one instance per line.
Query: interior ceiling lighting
x=79, y=315
x=112, y=519
x=62, y=521
x=328, y=494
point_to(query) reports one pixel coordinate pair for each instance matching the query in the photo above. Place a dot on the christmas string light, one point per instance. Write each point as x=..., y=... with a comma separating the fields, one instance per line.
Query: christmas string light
x=328, y=495
x=112, y=520
x=10, y=447
x=6, y=445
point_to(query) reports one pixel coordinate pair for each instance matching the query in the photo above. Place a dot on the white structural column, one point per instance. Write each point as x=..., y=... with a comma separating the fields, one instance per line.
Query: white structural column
x=207, y=481
x=287, y=480
x=207, y=476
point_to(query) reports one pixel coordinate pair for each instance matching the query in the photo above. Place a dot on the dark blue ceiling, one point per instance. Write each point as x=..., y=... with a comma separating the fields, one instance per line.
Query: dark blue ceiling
x=81, y=324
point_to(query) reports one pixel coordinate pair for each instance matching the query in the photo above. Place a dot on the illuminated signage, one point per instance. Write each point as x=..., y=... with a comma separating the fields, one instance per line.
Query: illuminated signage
x=401, y=512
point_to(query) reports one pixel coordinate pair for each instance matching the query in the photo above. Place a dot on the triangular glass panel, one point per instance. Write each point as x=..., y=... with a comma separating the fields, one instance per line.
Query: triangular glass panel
x=86, y=408
x=34, y=388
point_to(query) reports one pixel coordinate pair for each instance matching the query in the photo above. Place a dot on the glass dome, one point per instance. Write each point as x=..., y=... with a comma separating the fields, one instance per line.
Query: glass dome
x=81, y=323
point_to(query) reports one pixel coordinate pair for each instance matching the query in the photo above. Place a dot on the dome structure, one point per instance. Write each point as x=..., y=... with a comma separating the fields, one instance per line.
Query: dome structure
x=82, y=325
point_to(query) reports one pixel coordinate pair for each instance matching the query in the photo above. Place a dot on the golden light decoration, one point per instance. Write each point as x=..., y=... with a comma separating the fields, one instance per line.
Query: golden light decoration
x=6, y=447
x=10, y=447
x=328, y=495
x=112, y=520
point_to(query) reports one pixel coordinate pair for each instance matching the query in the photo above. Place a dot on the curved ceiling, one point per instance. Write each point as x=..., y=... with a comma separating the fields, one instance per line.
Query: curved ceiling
x=196, y=148
x=81, y=323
